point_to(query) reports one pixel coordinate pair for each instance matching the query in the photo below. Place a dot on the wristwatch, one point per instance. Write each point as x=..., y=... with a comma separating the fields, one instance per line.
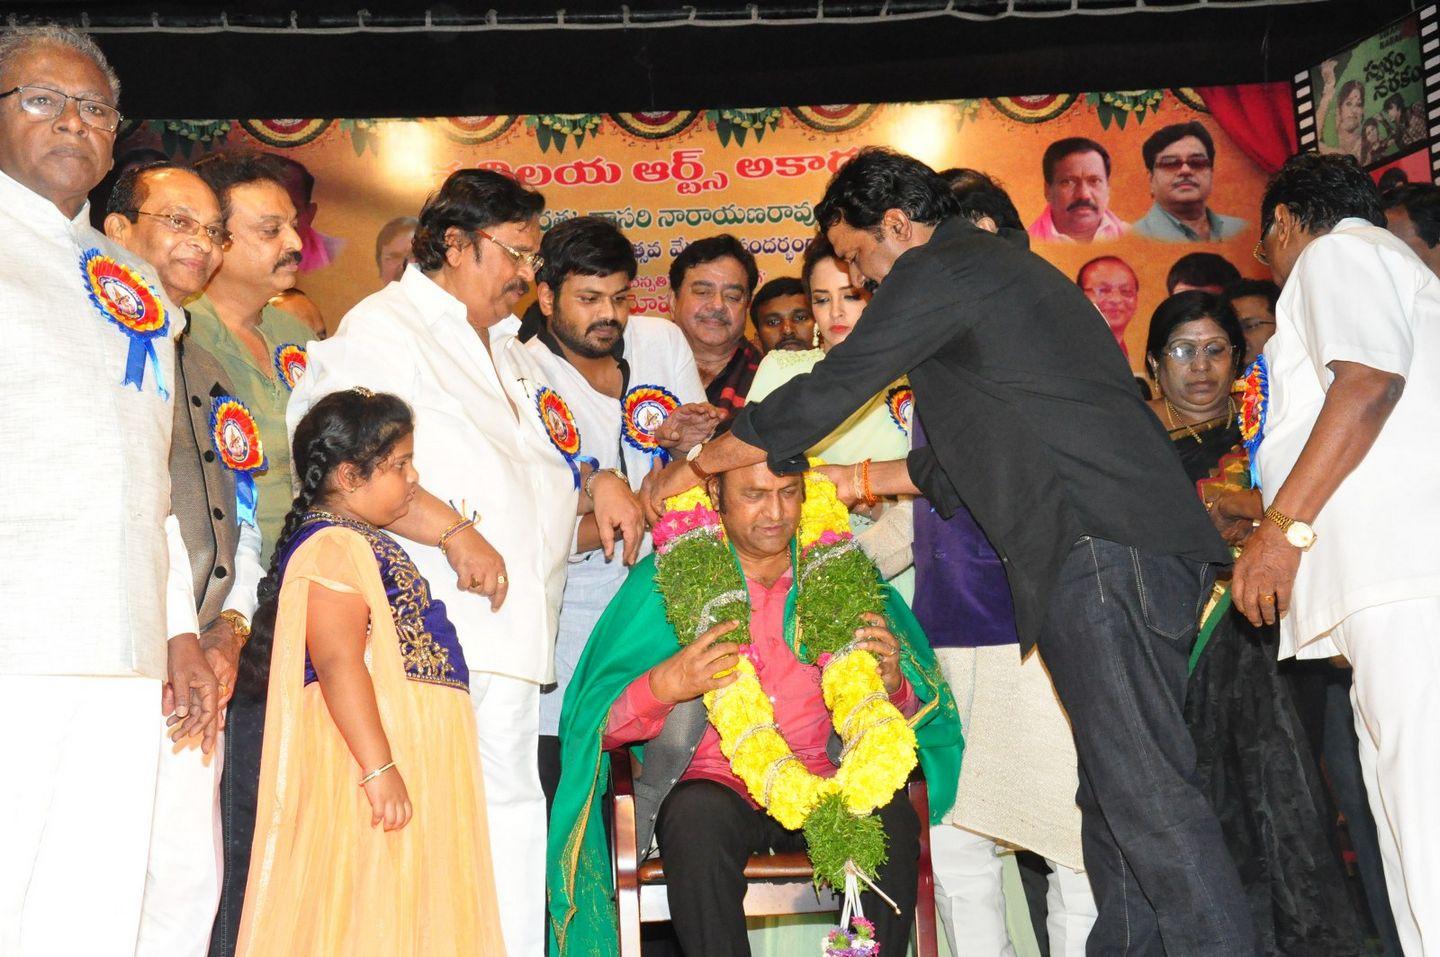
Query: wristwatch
x=693, y=459
x=1297, y=533
x=238, y=623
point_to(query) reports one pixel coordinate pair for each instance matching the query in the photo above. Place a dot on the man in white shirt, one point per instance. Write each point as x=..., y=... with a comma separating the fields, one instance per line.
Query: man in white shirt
x=631, y=384
x=489, y=440
x=1346, y=557
x=166, y=214
x=84, y=522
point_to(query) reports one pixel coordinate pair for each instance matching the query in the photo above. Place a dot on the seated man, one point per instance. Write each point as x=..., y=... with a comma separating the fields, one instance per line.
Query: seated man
x=634, y=685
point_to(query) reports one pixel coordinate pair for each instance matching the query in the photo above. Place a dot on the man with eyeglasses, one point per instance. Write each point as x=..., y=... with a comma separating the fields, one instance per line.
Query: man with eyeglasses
x=262, y=350
x=165, y=213
x=1181, y=161
x=502, y=484
x=86, y=669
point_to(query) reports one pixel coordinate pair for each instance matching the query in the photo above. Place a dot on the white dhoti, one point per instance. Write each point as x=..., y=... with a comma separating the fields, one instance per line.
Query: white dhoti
x=1395, y=651
x=77, y=796
x=182, y=881
x=507, y=720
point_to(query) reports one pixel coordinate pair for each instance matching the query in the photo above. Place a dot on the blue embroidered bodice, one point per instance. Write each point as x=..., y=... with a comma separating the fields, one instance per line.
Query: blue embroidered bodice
x=429, y=647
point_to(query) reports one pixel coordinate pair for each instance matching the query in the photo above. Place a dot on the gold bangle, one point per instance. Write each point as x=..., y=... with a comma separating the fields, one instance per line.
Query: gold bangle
x=454, y=530
x=376, y=773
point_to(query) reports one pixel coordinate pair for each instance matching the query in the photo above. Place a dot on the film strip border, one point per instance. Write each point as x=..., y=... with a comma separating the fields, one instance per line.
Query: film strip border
x=1307, y=124
x=1430, y=61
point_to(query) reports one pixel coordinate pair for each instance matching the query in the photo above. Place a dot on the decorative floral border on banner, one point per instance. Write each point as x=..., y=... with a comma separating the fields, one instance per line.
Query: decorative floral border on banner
x=474, y=130
x=557, y=132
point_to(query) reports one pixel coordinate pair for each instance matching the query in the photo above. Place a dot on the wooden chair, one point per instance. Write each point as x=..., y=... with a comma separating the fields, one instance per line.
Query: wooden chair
x=779, y=883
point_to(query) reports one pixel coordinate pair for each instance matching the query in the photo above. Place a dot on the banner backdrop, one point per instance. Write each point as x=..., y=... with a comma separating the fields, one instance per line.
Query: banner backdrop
x=668, y=178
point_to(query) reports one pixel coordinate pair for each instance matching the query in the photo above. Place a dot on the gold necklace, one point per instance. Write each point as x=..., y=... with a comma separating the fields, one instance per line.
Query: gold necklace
x=1172, y=413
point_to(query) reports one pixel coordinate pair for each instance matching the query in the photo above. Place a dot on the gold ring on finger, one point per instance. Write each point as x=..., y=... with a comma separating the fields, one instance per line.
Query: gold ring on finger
x=1268, y=599
x=501, y=580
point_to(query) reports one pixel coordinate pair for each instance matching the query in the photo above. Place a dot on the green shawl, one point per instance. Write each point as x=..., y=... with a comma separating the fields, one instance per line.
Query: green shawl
x=631, y=637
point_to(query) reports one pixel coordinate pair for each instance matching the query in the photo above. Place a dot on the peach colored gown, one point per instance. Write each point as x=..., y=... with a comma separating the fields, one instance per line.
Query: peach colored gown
x=322, y=880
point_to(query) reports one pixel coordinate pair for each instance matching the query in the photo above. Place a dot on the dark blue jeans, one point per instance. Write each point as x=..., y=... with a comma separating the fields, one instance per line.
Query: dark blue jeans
x=1117, y=642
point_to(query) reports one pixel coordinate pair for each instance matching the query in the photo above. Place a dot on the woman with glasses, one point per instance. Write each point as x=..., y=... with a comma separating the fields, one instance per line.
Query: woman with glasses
x=1253, y=756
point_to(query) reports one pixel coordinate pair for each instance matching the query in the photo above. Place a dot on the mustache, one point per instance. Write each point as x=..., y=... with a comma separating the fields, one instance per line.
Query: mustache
x=517, y=286
x=289, y=259
x=1187, y=181
x=714, y=315
x=1082, y=204
x=604, y=324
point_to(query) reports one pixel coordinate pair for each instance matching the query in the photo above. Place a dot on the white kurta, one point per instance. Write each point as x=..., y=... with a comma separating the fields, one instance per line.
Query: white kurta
x=84, y=495
x=1358, y=295
x=658, y=356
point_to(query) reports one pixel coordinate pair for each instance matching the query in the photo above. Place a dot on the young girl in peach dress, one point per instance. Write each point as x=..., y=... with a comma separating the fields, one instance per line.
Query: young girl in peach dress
x=370, y=834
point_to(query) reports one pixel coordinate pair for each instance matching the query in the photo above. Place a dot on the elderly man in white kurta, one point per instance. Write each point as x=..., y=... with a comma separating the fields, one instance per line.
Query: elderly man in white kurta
x=1349, y=464
x=85, y=530
x=443, y=339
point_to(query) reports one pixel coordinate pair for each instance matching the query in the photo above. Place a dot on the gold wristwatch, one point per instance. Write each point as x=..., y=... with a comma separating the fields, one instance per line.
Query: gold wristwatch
x=1297, y=533
x=238, y=623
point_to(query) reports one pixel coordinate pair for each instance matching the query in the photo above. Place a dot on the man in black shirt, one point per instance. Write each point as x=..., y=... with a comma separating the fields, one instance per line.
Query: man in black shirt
x=1035, y=426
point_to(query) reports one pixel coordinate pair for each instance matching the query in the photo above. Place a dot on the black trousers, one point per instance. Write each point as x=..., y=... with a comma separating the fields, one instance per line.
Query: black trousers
x=239, y=790
x=707, y=831
x=1117, y=642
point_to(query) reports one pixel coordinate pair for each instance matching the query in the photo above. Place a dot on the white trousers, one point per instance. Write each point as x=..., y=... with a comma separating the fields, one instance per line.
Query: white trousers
x=970, y=900
x=182, y=882
x=76, y=801
x=507, y=718
x=1395, y=652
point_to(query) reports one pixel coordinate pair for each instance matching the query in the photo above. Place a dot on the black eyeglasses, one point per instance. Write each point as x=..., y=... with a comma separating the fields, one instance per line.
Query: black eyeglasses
x=185, y=226
x=47, y=104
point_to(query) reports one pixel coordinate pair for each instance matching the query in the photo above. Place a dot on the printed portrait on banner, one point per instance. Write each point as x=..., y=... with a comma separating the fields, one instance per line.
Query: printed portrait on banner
x=1370, y=99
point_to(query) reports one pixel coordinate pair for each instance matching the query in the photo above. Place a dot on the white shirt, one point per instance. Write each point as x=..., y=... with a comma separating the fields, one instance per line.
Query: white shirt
x=1358, y=295
x=85, y=475
x=659, y=357
x=412, y=339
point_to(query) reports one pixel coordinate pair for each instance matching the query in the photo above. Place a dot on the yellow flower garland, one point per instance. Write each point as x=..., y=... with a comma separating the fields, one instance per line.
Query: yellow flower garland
x=879, y=744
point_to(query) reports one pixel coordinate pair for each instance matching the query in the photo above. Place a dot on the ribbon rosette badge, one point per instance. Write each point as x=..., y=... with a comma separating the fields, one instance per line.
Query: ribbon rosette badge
x=901, y=403
x=559, y=423
x=291, y=363
x=236, y=439
x=643, y=410
x=1254, y=405
x=124, y=297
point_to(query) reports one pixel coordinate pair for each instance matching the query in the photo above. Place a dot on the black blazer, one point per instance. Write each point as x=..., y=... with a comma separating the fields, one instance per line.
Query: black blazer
x=1031, y=411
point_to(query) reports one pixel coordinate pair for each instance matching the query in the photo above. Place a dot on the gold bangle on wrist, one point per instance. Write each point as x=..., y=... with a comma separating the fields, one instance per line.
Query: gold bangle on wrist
x=454, y=530
x=376, y=773
x=590, y=480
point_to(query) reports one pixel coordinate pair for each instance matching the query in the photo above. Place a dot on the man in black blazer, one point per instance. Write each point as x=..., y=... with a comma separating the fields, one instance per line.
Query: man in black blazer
x=1035, y=426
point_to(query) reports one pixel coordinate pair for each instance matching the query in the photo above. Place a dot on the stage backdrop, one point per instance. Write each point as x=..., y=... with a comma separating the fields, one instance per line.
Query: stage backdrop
x=672, y=177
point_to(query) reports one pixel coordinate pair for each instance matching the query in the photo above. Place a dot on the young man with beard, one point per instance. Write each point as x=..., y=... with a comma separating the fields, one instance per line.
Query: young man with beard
x=782, y=317
x=260, y=348
x=165, y=213
x=631, y=384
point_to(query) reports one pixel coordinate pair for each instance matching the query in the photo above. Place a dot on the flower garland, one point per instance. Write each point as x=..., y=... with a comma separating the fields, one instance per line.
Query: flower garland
x=702, y=584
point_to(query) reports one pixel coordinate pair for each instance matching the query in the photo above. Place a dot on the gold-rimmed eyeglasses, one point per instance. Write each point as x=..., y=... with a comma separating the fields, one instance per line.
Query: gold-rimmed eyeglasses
x=534, y=260
x=45, y=103
x=185, y=226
